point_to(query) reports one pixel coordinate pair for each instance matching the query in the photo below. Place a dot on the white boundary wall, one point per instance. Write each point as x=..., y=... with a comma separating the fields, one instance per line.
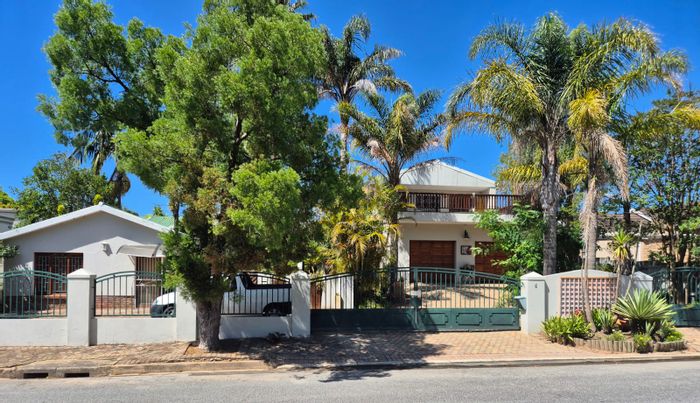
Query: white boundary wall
x=80, y=328
x=541, y=294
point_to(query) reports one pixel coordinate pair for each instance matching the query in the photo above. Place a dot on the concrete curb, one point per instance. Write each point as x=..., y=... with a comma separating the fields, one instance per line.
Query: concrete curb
x=86, y=369
x=491, y=363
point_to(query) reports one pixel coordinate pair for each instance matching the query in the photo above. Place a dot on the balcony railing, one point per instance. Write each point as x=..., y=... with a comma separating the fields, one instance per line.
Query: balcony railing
x=460, y=203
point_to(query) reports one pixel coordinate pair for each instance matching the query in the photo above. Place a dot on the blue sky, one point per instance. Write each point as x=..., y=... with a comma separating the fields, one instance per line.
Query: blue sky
x=434, y=36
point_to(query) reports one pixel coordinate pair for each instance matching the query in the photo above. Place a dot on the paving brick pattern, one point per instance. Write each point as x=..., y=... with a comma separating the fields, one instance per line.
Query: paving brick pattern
x=331, y=349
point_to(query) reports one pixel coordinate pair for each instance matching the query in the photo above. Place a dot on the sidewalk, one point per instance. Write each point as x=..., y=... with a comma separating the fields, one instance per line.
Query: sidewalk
x=320, y=351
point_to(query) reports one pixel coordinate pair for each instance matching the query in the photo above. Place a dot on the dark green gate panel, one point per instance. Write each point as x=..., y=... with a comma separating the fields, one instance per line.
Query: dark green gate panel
x=415, y=298
x=468, y=319
x=326, y=320
x=687, y=316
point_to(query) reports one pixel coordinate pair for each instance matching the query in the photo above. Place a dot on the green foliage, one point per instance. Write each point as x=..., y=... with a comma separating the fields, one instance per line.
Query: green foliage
x=57, y=185
x=616, y=335
x=5, y=200
x=347, y=73
x=663, y=146
x=563, y=330
x=245, y=163
x=604, y=320
x=7, y=251
x=357, y=238
x=521, y=239
x=642, y=307
x=106, y=80
x=524, y=91
x=668, y=332
x=642, y=342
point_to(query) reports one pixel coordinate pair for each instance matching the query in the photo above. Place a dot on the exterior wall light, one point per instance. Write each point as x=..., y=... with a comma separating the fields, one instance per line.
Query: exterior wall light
x=466, y=234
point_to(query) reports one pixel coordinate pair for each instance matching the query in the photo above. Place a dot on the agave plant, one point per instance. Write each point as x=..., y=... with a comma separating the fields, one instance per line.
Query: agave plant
x=641, y=307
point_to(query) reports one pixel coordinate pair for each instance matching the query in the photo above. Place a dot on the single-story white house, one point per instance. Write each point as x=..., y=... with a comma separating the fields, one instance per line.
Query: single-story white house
x=438, y=229
x=102, y=238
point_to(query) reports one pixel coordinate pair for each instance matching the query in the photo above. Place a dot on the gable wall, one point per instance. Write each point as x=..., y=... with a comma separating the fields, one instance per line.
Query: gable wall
x=84, y=235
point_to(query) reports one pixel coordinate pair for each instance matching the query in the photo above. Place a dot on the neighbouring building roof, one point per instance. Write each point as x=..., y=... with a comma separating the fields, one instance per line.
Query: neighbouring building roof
x=164, y=220
x=75, y=215
x=438, y=174
x=8, y=216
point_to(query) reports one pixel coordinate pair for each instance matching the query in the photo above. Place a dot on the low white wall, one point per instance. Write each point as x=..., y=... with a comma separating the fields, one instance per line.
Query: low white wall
x=241, y=327
x=80, y=327
x=34, y=332
x=124, y=330
x=542, y=294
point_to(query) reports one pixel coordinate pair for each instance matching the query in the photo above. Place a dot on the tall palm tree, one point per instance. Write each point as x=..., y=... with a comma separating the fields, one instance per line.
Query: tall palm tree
x=349, y=74
x=393, y=138
x=98, y=149
x=530, y=78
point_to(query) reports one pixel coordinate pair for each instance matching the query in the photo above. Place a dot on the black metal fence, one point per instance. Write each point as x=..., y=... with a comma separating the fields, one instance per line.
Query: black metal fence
x=680, y=286
x=256, y=293
x=32, y=294
x=133, y=293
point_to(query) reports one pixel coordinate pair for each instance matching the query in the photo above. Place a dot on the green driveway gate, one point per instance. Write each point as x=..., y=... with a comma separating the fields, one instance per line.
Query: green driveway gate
x=417, y=298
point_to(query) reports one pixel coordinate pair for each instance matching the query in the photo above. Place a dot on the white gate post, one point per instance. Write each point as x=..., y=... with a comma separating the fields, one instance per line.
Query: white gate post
x=185, y=318
x=301, y=304
x=81, y=301
x=534, y=291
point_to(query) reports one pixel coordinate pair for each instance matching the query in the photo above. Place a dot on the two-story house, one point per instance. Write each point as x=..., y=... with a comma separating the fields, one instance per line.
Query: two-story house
x=438, y=229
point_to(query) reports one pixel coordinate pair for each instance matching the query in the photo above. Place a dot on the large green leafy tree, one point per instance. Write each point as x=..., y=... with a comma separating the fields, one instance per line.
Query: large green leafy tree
x=58, y=185
x=5, y=200
x=237, y=150
x=106, y=81
x=393, y=138
x=529, y=79
x=664, y=159
x=347, y=74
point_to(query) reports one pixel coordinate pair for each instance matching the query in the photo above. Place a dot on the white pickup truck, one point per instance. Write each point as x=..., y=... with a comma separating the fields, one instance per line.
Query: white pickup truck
x=246, y=297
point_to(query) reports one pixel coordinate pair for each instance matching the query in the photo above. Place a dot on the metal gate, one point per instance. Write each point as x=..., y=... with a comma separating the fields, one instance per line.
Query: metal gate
x=416, y=298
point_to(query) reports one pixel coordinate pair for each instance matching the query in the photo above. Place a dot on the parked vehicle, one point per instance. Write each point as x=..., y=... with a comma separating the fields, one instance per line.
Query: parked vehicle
x=248, y=295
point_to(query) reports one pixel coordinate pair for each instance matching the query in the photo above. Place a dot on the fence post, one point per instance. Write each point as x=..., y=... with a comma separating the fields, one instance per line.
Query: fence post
x=81, y=300
x=185, y=318
x=301, y=304
x=534, y=291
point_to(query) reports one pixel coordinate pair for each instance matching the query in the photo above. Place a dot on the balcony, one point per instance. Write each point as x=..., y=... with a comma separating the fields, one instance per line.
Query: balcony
x=460, y=203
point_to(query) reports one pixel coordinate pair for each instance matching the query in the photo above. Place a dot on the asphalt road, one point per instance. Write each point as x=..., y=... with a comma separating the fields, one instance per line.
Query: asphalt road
x=651, y=382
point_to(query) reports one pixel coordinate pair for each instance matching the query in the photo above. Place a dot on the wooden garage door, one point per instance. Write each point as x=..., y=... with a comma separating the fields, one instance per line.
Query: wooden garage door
x=484, y=263
x=432, y=254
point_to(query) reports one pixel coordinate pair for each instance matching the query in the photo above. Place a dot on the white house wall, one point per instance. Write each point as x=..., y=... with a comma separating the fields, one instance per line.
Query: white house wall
x=440, y=232
x=84, y=235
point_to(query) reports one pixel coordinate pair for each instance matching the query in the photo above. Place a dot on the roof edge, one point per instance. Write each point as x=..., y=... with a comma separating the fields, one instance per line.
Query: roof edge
x=74, y=215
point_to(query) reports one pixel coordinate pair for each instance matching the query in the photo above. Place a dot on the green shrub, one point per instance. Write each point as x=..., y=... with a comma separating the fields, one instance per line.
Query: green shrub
x=641, y=307
x=563, y=330
x=616, y=335
x=668, y=332
x=604, y=320
x=642, y=342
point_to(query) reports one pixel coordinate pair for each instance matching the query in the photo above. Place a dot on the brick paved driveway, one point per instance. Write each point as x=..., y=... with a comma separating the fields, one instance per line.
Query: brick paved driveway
x=329, y=349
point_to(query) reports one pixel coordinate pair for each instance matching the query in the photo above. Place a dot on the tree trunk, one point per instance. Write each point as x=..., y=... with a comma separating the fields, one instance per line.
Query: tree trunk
x=550, y=206
x=209, y=321
x=344, y=139
x=590, y=233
